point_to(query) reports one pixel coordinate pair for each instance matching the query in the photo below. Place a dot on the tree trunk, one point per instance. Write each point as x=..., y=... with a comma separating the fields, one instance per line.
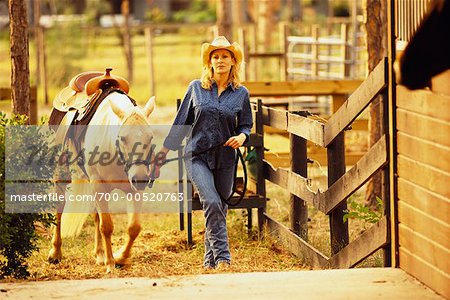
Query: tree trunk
x=20, y=71
x=376, y=48
x=266, y=22
x=224, y=19
x=127, y=47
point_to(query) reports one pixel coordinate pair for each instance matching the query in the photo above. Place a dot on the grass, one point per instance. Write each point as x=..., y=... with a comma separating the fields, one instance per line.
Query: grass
x=161, y=248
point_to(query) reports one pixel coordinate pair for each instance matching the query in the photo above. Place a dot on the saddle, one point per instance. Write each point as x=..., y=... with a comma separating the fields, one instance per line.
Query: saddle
x=76, y=104
x=85, y=88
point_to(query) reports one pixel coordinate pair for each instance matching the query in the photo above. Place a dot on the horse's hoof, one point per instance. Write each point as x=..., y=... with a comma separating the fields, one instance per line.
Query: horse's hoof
x=54, y=261
x=110, y=269
x=54, y=258
x=121, y=261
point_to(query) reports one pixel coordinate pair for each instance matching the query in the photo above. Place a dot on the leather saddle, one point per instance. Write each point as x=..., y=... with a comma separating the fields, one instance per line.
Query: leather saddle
x=85, y=88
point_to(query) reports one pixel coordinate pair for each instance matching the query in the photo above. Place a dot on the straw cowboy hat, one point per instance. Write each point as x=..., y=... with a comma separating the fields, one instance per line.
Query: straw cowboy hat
x=221, y=42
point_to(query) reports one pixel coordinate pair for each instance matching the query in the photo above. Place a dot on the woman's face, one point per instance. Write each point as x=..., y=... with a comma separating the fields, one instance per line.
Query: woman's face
x=222, y=61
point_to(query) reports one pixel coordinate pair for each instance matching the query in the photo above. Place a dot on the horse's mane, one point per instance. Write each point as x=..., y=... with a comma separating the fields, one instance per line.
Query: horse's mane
x=428, y=52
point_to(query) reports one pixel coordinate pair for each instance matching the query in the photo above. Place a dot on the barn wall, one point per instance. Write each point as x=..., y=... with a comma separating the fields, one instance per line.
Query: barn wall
x=423, y=182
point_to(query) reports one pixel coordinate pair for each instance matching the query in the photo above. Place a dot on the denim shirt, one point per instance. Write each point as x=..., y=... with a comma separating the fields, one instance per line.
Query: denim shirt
x=213, y=119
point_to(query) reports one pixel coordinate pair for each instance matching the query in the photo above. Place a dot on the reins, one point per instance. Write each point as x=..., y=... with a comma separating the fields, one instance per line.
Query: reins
x=226, y=200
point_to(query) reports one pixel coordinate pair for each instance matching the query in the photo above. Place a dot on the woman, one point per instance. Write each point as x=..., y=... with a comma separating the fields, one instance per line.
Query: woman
x=218, y=108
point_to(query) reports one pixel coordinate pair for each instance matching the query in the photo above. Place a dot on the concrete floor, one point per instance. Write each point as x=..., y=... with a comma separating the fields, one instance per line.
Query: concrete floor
x=374, y=283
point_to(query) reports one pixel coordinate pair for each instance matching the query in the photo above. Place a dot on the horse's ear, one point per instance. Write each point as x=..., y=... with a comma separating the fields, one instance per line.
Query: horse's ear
x=150, y=106
x=117, y=110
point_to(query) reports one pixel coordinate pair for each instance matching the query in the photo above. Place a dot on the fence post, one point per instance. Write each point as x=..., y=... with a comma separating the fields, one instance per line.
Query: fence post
x=344, y=51
x=283, y=49
x=260, y=184
x=242, y=41
x=385, y=178
x=315, y=52
x=33, y=105
x=43, y=61
x=299, y=208
x=253, y=48
x=336, y=168
x=180, y=179
x=149, y=46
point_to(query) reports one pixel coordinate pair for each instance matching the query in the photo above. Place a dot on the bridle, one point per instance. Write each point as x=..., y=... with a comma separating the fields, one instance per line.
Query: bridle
x=127, y=163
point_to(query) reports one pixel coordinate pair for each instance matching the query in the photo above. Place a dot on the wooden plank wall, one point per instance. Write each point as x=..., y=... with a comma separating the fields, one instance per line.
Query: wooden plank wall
x=423, y=146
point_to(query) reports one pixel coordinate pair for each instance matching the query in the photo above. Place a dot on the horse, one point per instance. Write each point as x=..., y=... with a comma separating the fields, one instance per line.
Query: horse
x=427, y=54
x=123, y=126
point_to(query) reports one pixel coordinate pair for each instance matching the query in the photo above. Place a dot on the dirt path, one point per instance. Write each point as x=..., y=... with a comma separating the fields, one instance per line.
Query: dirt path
x=327, y=284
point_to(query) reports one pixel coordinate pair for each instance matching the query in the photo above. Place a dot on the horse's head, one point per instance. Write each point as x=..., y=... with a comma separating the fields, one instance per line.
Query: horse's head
x=134, y=142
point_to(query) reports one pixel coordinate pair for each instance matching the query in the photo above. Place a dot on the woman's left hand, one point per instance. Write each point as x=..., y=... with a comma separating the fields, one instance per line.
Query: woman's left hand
x=236, y=141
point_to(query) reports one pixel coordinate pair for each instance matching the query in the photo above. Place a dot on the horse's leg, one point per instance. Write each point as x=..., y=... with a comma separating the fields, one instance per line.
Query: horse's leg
x=134, y=228
x=55, y=254
x=106, y=227
x=99, y=252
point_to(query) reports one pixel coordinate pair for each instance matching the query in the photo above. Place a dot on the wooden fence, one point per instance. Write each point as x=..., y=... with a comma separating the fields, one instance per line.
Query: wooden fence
x=321, y=55
x=275, y=94
x=342, y=184
x=5, y=94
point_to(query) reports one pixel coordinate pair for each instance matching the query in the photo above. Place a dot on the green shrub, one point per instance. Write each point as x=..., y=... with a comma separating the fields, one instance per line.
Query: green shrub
x=359, y=211
x=17, y=232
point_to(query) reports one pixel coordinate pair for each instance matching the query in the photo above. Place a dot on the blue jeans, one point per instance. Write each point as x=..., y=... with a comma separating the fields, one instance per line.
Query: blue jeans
x=216, y=237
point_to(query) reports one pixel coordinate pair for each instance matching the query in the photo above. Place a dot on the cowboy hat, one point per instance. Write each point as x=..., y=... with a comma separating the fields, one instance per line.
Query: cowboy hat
x=221, y=42
x=74, y=95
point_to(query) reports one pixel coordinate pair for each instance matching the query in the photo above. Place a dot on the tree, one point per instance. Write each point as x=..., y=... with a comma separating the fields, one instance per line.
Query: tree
x=125, y=8
x=20, y=70
x=376, y=11
x=224, y=19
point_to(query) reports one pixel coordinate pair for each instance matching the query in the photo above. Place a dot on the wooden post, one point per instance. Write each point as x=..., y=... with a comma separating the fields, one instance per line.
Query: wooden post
x=260, y=185
x=299, y=208
x=43, y=62
x=392, y=128
x=149, y=47
x=242, y=41
x=126, y=34
x=37, y=16
x=33, y=106
x=344, y=51
x=254, y=48
x=385, y=184
x=180, y=177
x=329, y=52
x=283, y=27
x=336, y=168
x=315, y=52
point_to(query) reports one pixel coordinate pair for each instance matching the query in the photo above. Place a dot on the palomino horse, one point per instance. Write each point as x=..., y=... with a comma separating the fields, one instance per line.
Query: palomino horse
x=123, y=126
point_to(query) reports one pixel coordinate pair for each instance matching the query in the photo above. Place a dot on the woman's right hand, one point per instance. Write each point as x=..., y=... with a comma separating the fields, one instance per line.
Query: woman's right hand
x=158, y=161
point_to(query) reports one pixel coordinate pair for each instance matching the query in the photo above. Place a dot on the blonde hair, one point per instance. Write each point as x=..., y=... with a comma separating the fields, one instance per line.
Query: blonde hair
x=208, y=74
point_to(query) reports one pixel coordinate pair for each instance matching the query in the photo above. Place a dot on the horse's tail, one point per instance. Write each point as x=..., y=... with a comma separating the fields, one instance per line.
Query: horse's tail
x=79, y=204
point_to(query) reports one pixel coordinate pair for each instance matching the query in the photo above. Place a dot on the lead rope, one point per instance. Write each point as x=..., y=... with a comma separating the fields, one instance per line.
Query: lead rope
x=239, y=157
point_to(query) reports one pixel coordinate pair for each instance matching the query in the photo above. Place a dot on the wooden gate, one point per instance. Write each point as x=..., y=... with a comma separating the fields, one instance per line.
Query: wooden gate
x=341, y=184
